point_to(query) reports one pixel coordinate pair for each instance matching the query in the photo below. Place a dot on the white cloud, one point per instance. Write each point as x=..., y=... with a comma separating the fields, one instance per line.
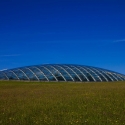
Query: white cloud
x=10, y=55
x=3, y=69
x=122, y=40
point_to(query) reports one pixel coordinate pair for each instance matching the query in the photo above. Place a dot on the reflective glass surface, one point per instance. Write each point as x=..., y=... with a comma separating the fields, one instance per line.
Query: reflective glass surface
x=61, y=72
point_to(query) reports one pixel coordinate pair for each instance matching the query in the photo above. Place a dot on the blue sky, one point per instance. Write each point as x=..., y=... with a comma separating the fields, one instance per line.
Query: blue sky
x=87, y=32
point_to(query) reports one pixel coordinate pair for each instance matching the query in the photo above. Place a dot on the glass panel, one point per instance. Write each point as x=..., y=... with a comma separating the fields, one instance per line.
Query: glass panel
x=3, y=77
x=75, y=69
x=119, y=78
x=39, y=74
x=93, y=73
x=86, y=73
x=11, y=75
x=20, y=75
x=30, y=75
x=59, y=77
x=64, y=73
x=74, y=76
x=56, y=73
x=47, y=73
x=111, y=76
x=114, y=76
x=99, y=74
x=108, y=78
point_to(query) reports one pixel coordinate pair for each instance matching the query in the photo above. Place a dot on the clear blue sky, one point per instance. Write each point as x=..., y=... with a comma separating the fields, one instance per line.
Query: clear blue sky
x=88, y=32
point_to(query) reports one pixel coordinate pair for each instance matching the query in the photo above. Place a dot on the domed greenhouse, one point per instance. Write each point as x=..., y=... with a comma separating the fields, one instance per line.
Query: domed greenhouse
x=61, y=72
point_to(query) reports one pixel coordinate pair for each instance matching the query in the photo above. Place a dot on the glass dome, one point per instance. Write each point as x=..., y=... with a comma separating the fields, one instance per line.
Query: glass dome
x=61, y=72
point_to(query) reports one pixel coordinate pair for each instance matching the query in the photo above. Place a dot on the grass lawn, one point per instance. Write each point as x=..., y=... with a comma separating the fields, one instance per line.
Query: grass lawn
x=59, y=103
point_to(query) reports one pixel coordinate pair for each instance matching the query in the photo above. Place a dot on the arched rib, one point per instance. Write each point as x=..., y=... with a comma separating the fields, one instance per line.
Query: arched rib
x=112, y=75
x=49, y=72
x=118, y=76
x=100, y=73
x=5, y=75
x=94, y=73
x=14, y=74
x=24, y=73
x=81, y=72
x=73, y=72
x=41, y=72
x=106, y=74
x=59, y=72
x=87, y=72
x=123, y=77
x=33, y=73
x=66, y=72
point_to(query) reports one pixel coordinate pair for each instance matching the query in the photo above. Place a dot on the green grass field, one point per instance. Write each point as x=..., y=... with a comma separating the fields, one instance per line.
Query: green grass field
x=58, y=103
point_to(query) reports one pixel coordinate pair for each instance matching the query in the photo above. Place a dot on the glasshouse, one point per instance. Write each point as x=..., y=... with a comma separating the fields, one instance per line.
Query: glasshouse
x=61, y=72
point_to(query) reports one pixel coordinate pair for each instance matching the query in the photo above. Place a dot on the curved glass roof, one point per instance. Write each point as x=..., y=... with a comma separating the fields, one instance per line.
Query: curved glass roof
x=61, y=72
